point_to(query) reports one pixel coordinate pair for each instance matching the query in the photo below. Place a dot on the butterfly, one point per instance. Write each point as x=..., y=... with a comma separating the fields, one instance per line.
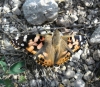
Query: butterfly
x=49, y=49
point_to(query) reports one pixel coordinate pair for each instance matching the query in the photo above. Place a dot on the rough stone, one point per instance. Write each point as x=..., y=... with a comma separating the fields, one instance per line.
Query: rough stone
x=89, y=61
x=96, y=55
x=79, y=83
x=6, y=9
x=39, y=11
x=66, y=82
x=70, y=73
x=88, y=75
x=91, y=67
x=75, y=57
x=0, y=10
x=33, y=83
x=95, y=37
x=85, y=67
x=39, y=82
x=84, y=56
x=63, y=68
x=71, y=63
x=53, y=83
x=56, y=69
x=78, y=75
x=15, y=4
x=67, y=20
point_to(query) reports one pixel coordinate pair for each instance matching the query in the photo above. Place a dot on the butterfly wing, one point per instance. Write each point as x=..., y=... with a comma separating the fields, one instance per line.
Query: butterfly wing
x=46, y=54
x=68, y=44
x=31, y=43
x=62, y=50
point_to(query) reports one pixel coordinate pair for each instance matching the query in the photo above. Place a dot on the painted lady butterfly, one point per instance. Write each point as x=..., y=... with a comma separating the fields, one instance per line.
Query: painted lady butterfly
x=49, y=49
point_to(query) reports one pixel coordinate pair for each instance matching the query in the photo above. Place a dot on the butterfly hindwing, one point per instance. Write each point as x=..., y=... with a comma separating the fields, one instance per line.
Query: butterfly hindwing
x=46, y=54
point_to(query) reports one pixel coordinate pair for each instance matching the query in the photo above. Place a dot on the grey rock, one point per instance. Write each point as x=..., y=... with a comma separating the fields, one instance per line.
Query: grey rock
x=33, y=83
x=16, y=11
x=84, y=56
x=82, y=19
x=75, y=57
x=80, y=52
x=95, y=21
x=15, y=4
x=69, y=67
x=66, y=20
x=53, y=83
x=78, y=70
x=70, y=73
x=72, y=80
x=78, y=75
x=66, y=82
x=82, y=12
x=36, y=74
x=88, y=3
x=88, y=75
x=79, y=83
x=13, y=29
x=91, y=67
x=39, y=11
x=7, y=44
x=6, y=9
x=96, y=55
x=95, y=37
x=85, y=52
x=71, y=63
x=39, y=82
x=89, y=17
x=56, y=69
x=89, y=61
x=63, y=68
x=6, y=27
x=85, y=67
x=75, y=31
x=0, y=10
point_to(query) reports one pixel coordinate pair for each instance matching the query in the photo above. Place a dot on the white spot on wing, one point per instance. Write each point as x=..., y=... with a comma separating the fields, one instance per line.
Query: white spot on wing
x=25, y=38
x=22, y=44
x=80, y=37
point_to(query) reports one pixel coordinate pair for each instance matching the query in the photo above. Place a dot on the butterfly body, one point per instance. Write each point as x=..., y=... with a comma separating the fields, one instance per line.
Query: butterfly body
x=49, y=49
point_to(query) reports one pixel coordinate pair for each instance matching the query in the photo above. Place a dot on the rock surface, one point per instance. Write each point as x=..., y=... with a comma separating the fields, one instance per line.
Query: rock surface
x=39, y=11
x=79, y=83
x=95, y=38
x=80, y=17
x=70, y=73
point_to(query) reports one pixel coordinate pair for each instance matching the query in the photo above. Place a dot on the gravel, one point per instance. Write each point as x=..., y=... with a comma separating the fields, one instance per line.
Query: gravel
x=70, y=16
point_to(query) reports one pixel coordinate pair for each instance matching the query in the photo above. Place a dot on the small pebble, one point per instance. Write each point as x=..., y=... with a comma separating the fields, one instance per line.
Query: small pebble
x=88, y=75
x=69, y=73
